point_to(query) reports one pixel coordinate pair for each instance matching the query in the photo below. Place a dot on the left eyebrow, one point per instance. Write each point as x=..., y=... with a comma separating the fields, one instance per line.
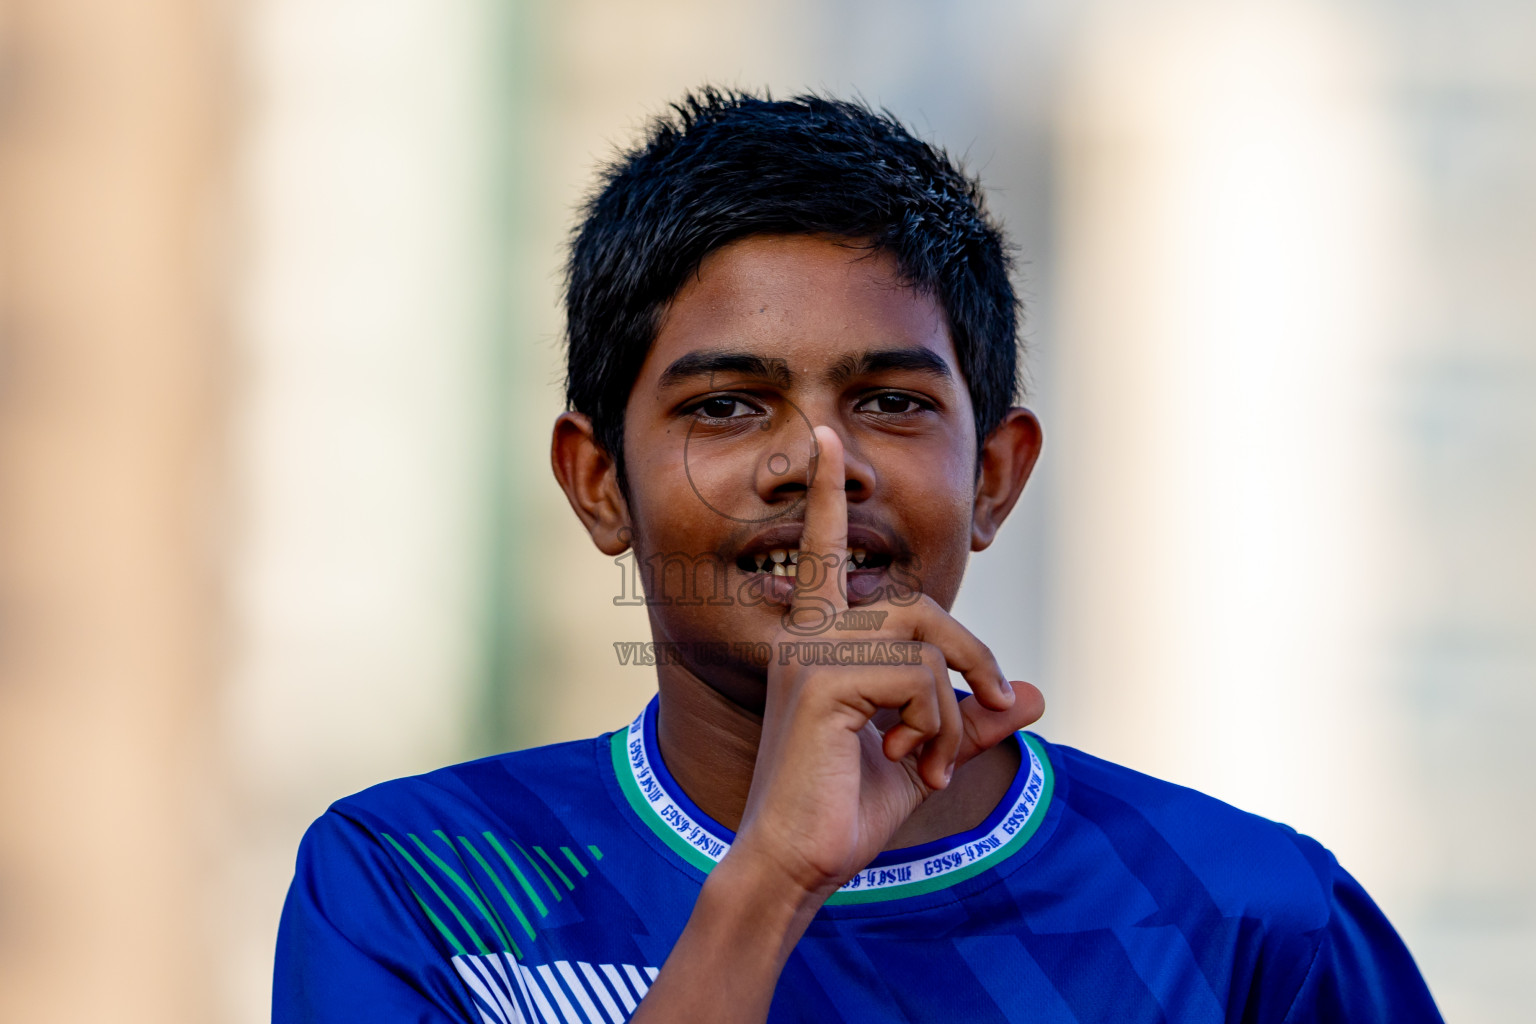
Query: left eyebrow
x=919, y=360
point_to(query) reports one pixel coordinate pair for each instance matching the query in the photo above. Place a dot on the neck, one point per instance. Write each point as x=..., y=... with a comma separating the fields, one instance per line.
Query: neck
x=709, y=744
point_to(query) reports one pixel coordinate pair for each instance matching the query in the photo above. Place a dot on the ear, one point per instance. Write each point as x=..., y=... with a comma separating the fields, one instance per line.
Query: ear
x=590, y=480
x=1007, y=458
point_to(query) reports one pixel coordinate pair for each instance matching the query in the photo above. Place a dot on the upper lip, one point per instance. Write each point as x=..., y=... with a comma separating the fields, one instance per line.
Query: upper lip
x=786, y=536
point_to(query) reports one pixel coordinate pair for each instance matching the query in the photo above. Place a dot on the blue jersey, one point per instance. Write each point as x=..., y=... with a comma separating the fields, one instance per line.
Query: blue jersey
x=549, y=885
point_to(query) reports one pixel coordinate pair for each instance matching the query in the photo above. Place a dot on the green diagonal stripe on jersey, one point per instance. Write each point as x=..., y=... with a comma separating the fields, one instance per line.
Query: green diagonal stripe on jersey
x=535, y=865
x=474, y=936
x=575, y=861
x=496, y=879
x=437, y=922
x=517, y=873
x=553, y=867
x=498, y=921
x=473, y=897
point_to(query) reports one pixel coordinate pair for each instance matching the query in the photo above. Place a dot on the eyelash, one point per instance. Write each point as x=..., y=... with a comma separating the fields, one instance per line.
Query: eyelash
x=921, y=404
x=696, y=409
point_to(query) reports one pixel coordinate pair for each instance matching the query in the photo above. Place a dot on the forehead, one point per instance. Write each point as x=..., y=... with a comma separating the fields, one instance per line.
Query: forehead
x=809, y=300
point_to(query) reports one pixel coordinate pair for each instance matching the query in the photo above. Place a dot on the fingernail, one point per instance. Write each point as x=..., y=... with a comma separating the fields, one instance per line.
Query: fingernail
x=949, y=773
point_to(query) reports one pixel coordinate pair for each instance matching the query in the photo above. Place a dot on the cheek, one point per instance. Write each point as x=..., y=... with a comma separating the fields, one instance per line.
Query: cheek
x=959, y=540
x=953, y=494
x=666, y=506
x=718, y=474
x=656, y=502
x=740, y=474
x=939, y=515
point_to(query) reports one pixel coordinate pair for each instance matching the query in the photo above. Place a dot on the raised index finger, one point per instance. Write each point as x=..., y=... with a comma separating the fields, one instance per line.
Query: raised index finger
x=821, y=577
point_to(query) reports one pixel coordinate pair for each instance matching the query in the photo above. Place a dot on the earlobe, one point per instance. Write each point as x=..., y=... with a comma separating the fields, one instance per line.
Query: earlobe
x=1007, y=458
x=588, y=476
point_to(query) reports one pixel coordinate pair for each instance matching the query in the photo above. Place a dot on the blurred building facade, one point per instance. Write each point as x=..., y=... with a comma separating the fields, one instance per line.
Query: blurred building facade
x=113, y=400
x=279, y=350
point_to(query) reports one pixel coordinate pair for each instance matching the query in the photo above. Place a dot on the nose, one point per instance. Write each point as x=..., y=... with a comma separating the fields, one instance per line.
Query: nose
x=784, y=471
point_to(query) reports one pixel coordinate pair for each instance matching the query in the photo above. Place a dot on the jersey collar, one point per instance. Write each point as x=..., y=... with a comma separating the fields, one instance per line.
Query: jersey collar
x=701, y=841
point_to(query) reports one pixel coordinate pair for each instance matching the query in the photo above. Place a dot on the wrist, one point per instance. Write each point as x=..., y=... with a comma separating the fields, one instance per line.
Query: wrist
x=755, y=901
x=726, y=964
x=772, y=869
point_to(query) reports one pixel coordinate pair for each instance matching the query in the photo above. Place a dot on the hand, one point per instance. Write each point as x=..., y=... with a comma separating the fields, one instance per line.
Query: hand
x=831, y=786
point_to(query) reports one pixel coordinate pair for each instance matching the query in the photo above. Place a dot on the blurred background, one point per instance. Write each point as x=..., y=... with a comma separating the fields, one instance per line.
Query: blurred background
x=279, y=352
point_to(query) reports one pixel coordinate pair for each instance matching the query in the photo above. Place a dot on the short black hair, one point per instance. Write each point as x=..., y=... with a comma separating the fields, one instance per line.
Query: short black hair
x=722, y=165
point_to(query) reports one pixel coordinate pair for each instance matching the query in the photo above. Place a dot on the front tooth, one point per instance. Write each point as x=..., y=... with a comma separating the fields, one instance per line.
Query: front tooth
x=794, y=556
x=778, y=554
x=780, y=569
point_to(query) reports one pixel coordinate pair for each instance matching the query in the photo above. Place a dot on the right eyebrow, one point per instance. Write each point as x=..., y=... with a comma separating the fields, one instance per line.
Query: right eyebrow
x=708, y=364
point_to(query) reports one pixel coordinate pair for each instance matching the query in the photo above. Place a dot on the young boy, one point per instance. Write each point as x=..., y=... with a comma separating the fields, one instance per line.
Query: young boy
x=792, y=361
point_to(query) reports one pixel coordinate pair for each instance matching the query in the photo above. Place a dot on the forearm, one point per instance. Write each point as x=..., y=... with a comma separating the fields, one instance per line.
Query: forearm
x=727, y=962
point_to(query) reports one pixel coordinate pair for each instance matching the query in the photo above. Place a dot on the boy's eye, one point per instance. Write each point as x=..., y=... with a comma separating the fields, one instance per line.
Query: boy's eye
x=723, y=407
x=891, y=403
